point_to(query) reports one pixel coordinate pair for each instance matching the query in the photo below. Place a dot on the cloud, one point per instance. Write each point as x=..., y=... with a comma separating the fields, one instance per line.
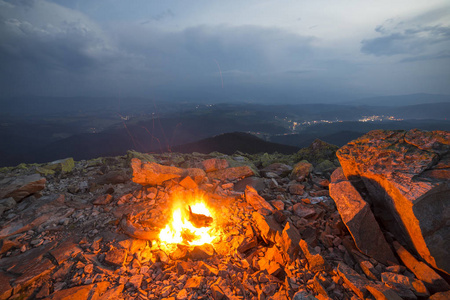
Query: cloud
x=160, y=17
x=434, y=56
x=406, y=38
x=44, y=44
x=68, y=41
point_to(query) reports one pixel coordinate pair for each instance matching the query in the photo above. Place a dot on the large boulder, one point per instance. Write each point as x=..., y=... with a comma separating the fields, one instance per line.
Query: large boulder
x=361, y=223
x=151, y=173
x=407, y=176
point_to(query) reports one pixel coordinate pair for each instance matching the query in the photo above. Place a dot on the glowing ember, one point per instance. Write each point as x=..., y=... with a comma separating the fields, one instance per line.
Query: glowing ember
x=181, y=231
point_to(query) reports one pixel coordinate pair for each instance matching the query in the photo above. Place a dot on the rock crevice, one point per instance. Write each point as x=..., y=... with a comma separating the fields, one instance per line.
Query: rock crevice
x=406, y=174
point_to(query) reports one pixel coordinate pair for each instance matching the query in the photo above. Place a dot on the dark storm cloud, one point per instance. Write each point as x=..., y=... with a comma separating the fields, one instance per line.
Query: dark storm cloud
x=72, y=54
x=421, y=41
x=189, y=56
x=49, y=52
x=65, y=47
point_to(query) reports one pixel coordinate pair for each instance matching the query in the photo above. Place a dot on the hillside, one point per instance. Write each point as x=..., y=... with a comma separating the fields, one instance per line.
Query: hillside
x=229, y=143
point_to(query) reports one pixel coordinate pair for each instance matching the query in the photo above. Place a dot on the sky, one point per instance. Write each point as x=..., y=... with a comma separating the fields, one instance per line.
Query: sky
x=275, y=51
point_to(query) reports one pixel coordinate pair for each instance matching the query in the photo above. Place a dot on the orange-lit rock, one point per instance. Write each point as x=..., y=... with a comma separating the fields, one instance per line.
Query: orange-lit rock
x=301, y=170
x=423, y=272
x=403, y=172
x=21, y=187
x=255, y=200
x=315, y=260
x=214, y=164
x=357, y=216
x=232, y=173
x=150, y=173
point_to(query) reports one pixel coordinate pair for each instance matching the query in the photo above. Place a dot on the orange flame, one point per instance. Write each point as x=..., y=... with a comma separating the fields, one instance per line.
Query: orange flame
x=179, y=230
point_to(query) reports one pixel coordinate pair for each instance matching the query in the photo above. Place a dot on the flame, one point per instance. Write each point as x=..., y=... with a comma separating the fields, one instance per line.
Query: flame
x=180, y=231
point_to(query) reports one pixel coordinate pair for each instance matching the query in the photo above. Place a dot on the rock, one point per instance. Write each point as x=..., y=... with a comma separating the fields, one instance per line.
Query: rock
x=116, y=257
x=290, y=241
x=303, y=211
x=382, y=292
x=279, y=216
x=21, y=187
x=188, y=183
x=91, y=291
x=182, y=295
x=296, y=189
x=7, y=244
x=402, y=283
x=62, y=271
x=31, y=272
x=317, y=152
x=103, y=200
x=432, y=280
x=319, y=287
x=396, y=168
x=247, y=244
x=370, y=271
x=355, y=281
x=133, y=245
x=136, y=231
x=325, y=166
x=150, y=173
x=39, y=213
x=303, y=295
x=62, y=165
x=361, y=223
x=5, y=287
x=208, y=270
x=113, y=177
x=255, y=182
x=231, y=174
x=440, y=296
x=301, y=170
x=338, y=175
x=214, y=164
x=255, y=200
x=281, y=170
x=66, y=249
x=396, y=269
x=113, y=293
x=142, y=156
x=195, y=282
x=6, y=204
x=268, y=227
x=136, y=280
x=198, y=175
x=201, y=252
x=316, y=262
x=217, y=293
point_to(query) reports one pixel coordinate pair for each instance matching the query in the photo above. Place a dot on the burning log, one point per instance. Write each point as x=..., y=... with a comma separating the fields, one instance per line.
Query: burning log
x=199, y=220
x=136, y=231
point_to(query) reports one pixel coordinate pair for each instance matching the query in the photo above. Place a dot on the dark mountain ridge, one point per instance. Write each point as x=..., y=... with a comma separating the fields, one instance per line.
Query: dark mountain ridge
x=229, y=143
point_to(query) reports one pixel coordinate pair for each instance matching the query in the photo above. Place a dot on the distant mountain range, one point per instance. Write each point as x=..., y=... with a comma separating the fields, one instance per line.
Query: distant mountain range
x=402, y=100
x=340, y=133
x=47, y=130
x=229, y=143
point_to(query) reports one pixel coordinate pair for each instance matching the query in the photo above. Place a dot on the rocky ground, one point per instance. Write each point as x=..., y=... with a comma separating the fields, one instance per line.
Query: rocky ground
x=89, y=230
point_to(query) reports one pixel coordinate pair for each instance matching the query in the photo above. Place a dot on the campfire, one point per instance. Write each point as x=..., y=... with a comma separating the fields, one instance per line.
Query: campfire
x=191, y=222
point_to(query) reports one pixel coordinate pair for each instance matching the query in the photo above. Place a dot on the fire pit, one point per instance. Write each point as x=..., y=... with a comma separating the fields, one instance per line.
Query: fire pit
x=192, y=222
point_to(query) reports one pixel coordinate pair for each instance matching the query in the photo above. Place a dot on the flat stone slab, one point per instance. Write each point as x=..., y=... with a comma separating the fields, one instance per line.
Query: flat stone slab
x=355, y=281
x=21, y=187
x=91, y=291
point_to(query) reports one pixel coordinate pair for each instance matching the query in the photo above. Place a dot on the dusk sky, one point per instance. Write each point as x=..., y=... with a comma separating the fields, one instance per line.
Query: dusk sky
x=226, y=50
